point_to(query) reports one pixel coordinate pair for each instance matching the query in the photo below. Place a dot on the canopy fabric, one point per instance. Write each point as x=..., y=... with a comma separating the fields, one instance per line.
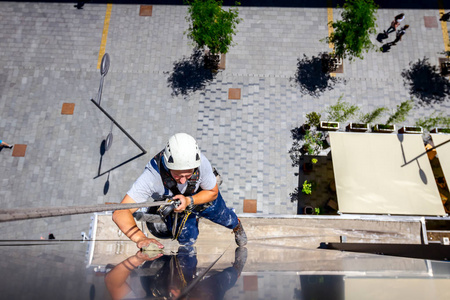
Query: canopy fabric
x=383, y=174
x=393, y=288
x=442, y=144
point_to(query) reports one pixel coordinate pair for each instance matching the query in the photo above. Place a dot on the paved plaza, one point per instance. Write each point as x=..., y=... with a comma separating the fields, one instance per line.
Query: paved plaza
x=156, y=87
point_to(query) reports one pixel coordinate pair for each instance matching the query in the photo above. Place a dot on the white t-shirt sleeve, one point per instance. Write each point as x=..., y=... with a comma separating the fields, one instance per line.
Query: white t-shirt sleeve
x=207, y=178
x=148, y=185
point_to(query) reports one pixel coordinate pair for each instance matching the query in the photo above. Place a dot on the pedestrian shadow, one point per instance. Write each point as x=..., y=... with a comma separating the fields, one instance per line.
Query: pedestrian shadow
x=313, y=77
x=386, y=47
x=381, y=37
x=445, y=17
x=426, y=83
x=189, y=75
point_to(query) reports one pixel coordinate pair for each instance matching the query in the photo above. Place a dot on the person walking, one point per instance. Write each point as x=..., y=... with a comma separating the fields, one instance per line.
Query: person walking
x=399, y=35
x=395, y=23
x=181, y=172
x=5, y=145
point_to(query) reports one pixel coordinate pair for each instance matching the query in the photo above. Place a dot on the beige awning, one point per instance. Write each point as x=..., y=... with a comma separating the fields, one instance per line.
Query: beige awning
x=442, y=144
x=383, y=174
x=361, y=288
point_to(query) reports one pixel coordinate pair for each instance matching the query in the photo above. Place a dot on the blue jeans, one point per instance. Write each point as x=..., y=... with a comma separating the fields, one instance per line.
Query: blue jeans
x=218, y=213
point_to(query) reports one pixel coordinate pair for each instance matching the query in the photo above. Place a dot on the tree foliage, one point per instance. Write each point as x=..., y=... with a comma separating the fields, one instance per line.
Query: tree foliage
x=401, y=112
x=351, y=34
x=211, y=26
x=313, y=119
x=426, y=82
x=434, y=120
x=372, y=116
x=341, y=111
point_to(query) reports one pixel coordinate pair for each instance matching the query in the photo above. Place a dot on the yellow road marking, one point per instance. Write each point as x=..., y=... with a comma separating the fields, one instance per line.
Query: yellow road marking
x=104, y=34
x=330, y=19
x=444, y=26
x=330, y=28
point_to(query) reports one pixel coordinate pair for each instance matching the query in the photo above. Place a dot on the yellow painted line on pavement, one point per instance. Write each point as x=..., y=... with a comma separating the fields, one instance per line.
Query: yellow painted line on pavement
x=444, y=26
x=104, y=34
x=330, y=28
x=330, y=19
x=445, y=36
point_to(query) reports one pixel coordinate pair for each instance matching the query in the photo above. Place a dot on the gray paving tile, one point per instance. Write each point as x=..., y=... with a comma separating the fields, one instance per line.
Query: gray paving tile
x=50, y=56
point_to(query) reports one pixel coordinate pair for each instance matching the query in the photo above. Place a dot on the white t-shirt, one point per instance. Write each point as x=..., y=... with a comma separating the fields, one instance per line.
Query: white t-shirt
x=150, y=185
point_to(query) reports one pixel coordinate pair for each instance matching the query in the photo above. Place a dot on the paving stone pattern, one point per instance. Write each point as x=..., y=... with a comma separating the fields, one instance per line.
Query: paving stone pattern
x=49, y=57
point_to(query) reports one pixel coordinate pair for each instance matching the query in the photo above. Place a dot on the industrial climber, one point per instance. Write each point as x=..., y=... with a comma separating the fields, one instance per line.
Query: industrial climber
x=182, y=174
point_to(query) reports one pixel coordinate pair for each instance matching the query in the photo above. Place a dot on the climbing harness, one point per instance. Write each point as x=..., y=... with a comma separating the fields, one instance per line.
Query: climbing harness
x=171, y=185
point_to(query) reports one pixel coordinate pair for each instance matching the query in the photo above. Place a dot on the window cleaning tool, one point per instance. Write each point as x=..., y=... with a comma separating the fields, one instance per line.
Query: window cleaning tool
x=7, y=215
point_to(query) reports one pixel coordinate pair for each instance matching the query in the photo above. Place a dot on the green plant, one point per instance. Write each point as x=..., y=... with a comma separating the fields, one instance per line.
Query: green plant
x=312, y=142
x=401, y=112
x=313, y=119
x=307, y=188
x=359, y=126
x=317, y=210
x=314, y=160
x=385, y=126
x=210, y=25
x=330, y=124
x=435, y=120
x=411, y=128
x=372, y=116
x=341, y=111
x=351, y=34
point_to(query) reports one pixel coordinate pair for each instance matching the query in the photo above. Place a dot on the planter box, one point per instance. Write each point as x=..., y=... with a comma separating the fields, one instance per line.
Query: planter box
x=445, y=66
x=440, y=130
x=331, y=64
x=330, y=126
x=411, y=129
x=214, y=62
x=358, y=127
x=383, y=128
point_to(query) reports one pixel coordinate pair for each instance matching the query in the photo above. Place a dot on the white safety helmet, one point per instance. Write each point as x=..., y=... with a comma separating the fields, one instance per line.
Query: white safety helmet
x=182, y=152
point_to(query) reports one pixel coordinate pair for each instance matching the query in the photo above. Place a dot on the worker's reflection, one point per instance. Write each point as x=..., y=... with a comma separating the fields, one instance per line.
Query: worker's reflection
x=154, y=275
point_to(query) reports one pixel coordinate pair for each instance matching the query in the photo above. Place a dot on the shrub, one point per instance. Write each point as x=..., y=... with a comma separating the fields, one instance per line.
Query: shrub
x=351, y=35
x=372, y=116
x=435, y=120
x=341, y=111
x=401, y=113
x=313, y=119
x=211, y=26
x=312, y=142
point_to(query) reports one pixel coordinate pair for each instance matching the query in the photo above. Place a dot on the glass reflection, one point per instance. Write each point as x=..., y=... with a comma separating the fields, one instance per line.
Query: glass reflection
x=153, y=275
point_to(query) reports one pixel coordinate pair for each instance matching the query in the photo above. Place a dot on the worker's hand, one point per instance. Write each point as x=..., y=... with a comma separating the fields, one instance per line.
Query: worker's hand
x=144, y=255
x=145, y=242
x=184, y=202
